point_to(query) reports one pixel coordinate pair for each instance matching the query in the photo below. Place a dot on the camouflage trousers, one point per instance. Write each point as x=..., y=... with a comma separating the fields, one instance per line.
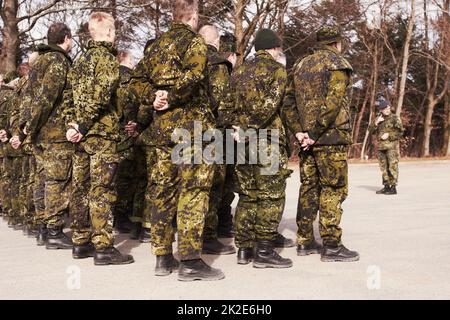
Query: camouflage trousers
x=26, y=190
x=126, y=186
x=94, y=171
x=221, y=197
x=140, y=182
x=12, y=177
x=324, y=178
x=150, y=156
x=261, y=199
x=39, y=186
x=388, y=161
x=180, y=190
x=58, y=178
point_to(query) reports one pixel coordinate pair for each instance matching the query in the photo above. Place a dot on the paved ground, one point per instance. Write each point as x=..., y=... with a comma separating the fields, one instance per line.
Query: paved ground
x=404, y=243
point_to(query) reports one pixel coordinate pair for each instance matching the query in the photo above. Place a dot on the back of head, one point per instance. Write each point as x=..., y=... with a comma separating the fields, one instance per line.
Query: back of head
x=57, y=33
x=210, y=34
x=183, y=10
x=99, y=25
x=267, y=39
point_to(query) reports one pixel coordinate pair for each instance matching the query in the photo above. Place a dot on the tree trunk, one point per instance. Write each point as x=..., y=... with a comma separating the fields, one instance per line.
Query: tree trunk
x=405, y=60
x=10, y=33
x=428, y=126
x=446, y=149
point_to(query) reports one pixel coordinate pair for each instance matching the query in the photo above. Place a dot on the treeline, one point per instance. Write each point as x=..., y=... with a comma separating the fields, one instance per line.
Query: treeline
x=398, y=48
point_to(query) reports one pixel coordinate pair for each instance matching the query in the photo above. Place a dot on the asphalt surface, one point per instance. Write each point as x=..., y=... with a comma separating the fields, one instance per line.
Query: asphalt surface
x=403, y=240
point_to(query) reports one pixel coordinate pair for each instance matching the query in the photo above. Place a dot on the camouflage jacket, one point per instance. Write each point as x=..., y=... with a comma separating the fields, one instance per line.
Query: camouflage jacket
x=44, y=119
x=219, y=74
x=11, y=116
x=392, y=125
x=259, y=87
x=5, y=94
x=93, y=82
x=321, y=90
x=127, y=108
x=175, y=62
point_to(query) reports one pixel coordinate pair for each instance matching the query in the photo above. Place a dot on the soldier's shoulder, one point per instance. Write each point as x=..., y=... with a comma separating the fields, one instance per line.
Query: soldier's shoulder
x=335, y=61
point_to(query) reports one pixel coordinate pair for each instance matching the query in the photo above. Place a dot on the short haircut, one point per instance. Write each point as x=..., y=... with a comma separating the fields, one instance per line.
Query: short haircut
x=122, y=55
x=57, y=33
x=98, y=22
x=23, y=69
x=184, y=9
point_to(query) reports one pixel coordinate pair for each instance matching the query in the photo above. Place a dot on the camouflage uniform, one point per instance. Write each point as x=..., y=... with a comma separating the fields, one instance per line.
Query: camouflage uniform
x=93, y=81
x=5, y=93
x=259, y=86
x=127, y=169
x=13, y=159
x=219, y=71
x=321, y=90
x=388, y=155
x=176, y=62
x=46, y=130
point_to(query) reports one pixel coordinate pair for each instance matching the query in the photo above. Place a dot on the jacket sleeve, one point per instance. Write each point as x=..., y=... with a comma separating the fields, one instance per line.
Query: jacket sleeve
x=337, y=86
x=140, y=87
x=398, y=129
x=193, y=72
x=98, y=99
x=289, y=112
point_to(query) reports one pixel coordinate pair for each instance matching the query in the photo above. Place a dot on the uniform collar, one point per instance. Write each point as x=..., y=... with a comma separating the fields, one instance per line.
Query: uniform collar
x=102, y=44
x=46, y=48
x=180, y=25
x=263, y=54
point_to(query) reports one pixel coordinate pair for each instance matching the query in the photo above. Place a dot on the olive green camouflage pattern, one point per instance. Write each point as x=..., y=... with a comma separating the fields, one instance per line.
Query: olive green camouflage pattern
x=324, y=178
x=93, y=81
x=388, y=150
x=149, y=195
x=219, y=74
x=39, y=186
x=45, y=127
x=176, y=62
x=321, y=90
x=140, y=183
x=259, y=86
x=328, y=34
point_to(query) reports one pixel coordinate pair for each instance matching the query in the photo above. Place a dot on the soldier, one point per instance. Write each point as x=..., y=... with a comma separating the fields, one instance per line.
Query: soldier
x=13, y=158
x=126, y=171
x=93, y=126
x=45, y=129
x=259, y=87
x=389, y=129
x=219, y=72
x=321, y=90
x=26, y=200
x=174, y=81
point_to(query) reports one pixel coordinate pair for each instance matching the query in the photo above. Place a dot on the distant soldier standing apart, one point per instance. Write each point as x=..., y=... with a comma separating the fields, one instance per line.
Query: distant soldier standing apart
x=93, y=126
x=322, y=90
x=389, y=129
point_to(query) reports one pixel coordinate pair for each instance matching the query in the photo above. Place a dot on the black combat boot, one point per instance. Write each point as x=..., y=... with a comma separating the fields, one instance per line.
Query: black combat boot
x=197, y=269
x=57, y=239
x=338, y=254
x=282, y=242
x=145, y=236
x=136, y=231
x=111, y=256
x=245, y=255
x=123, y=225
x=312, y=247
x=32, y=232
x=41, y=237
x=18, y=226
x=391, y=191
x=267, y=257
x=214, y=246
x=166, y=264
x=85, y=250
x=383, y=191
